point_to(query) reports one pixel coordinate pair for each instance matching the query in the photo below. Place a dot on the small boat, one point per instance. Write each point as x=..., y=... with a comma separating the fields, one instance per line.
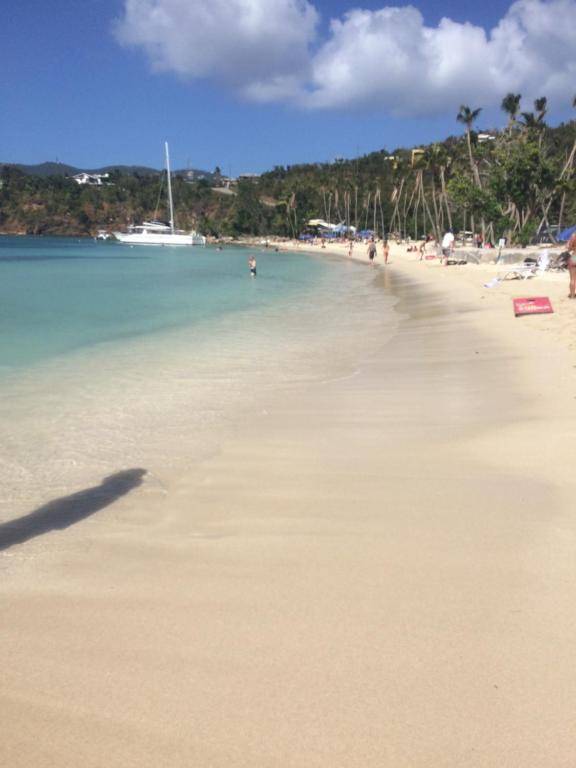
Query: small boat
x=160, y=232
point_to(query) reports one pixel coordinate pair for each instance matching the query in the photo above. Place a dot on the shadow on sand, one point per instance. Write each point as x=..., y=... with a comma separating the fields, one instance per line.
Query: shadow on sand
x=68, y=510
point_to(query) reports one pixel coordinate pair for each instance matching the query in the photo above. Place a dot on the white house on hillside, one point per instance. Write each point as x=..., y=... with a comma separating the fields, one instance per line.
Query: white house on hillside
x=92, y=179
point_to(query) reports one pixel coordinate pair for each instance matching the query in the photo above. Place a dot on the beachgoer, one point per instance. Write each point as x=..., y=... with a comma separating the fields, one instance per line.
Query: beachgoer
x=448, y=245
x=252, y=266
x=371, y=250
x=350, y=248
x=385, y=251
x=422, y=248
x=571, y=248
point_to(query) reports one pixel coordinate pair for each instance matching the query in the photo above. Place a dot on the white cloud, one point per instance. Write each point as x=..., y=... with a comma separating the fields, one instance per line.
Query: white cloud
x=241, y=43
x=270, y=50
x=390, y=58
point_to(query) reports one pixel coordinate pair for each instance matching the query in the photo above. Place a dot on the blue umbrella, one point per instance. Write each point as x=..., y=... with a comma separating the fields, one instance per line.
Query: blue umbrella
x=566, y=234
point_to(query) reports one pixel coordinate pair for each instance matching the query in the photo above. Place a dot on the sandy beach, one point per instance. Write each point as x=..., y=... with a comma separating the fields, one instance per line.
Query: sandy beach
x=376, y=571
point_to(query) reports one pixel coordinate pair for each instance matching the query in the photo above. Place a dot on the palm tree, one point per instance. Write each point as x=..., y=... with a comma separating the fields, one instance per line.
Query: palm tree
x=436, y=159
x=529, y=120
x=467, y=116
x=511, y=105
x=535, y=120
x=564, y=185
x=541, y=107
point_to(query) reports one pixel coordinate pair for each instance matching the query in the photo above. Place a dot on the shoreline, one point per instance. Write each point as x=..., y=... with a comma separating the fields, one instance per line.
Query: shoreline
x=165, y=397
x=471, y=279
x=376, y=571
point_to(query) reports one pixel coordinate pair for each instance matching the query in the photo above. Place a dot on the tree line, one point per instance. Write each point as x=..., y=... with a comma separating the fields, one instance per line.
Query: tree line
x=515, y=182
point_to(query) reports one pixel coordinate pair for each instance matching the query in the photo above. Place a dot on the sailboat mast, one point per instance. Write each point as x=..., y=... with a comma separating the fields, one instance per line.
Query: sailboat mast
x=169, y=188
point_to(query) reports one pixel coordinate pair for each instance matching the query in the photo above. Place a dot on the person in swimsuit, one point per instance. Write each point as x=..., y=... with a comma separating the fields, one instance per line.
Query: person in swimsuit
x=252, y=265
x=385, y=251
x=372, y=250
x=571, y=248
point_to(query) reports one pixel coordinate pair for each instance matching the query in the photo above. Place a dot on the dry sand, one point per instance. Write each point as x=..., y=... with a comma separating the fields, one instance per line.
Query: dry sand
x=375, y=572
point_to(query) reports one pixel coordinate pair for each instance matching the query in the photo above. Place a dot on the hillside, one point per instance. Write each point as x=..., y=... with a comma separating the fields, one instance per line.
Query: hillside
x=515, y=183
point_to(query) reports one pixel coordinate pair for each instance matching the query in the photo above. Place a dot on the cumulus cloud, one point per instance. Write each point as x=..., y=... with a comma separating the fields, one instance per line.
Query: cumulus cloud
x=271, y=50
x=247, y=44
x=390, y=58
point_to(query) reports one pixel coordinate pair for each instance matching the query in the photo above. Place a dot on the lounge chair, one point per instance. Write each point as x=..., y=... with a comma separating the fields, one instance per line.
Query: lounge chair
x=526, y=269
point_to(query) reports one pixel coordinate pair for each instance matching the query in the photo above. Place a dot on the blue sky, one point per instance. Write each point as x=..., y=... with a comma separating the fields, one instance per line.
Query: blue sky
x=76, y=89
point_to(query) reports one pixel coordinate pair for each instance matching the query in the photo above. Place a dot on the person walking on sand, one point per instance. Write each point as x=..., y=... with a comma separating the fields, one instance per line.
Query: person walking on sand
x=252, y=266
x=447, y=245
x=371, y=250
x=385, y=251
x=571, y=248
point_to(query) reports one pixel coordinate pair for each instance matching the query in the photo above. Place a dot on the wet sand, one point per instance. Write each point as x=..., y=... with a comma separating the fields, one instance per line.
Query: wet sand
x=375, y=571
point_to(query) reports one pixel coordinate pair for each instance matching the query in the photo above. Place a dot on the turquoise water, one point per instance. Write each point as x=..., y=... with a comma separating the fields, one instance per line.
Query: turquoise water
x=114, y=357
x=59, y=295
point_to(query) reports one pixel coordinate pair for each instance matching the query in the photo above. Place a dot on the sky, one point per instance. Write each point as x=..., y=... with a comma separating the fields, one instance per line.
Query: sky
x=250, y=84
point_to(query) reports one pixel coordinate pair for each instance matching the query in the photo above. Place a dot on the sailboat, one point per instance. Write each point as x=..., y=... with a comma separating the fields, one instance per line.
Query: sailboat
x=160, y=232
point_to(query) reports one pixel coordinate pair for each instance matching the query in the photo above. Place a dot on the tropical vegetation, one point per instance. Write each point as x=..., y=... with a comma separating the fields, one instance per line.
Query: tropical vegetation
x=516, y=182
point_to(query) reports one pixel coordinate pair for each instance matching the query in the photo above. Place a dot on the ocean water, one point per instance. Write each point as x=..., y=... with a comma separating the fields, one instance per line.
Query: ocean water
x=114, y=357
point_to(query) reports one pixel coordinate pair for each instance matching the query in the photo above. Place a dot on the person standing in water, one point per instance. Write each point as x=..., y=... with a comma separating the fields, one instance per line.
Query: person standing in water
x=371, y=250
x=252, y=265
x=385, y=251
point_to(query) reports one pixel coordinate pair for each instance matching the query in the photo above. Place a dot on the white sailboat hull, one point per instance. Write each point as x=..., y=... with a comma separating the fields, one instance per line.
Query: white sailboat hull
x=157, y=238
x=158, y=232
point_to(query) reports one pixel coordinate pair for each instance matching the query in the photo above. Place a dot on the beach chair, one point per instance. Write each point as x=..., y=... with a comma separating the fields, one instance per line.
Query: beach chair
x=526, y=269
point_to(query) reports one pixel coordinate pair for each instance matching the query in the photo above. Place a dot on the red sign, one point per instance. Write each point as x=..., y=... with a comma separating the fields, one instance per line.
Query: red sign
x=533, y=305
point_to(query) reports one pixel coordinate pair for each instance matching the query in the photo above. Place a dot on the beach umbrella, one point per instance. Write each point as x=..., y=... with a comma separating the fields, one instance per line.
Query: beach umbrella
x=566, y=234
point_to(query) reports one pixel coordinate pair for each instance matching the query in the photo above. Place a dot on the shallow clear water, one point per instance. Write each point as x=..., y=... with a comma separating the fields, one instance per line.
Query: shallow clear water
x=113, y=357
x=57, y=295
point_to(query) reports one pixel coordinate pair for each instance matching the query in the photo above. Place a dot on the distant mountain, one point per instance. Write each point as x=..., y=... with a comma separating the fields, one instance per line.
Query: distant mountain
x=44, y=169
x=61, y=169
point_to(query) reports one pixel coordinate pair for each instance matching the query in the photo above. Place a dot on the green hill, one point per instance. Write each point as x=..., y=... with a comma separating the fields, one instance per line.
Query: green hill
x=514, y=182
